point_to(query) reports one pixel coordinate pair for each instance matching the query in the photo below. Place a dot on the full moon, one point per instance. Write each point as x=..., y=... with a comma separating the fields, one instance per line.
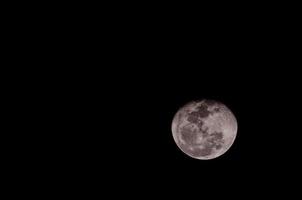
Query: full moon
x=204, y=129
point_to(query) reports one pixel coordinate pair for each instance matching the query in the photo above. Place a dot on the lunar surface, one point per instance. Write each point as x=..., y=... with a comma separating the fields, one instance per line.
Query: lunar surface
x=204, y=129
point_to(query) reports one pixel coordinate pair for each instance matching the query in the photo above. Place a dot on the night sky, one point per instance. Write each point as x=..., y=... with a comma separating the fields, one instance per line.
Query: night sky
x=123, y=113
x=101, y=108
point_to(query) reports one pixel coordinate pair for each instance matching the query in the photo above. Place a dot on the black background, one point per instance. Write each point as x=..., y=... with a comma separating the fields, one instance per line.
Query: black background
x=100, y=97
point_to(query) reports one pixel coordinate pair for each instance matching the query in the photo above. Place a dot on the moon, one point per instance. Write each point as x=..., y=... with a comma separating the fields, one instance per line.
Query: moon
x=204, y=129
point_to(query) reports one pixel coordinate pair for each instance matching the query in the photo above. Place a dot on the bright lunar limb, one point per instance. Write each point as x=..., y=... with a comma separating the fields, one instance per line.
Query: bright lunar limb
x=204, y=129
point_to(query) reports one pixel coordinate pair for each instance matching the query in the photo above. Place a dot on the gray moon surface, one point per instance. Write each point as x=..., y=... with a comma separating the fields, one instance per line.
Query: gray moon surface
x=204, y=129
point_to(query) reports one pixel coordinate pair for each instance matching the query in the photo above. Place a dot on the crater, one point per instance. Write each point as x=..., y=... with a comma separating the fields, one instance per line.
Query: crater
x=203, y=111
x=188, y=135
x=207, y=150
x=215, y=140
